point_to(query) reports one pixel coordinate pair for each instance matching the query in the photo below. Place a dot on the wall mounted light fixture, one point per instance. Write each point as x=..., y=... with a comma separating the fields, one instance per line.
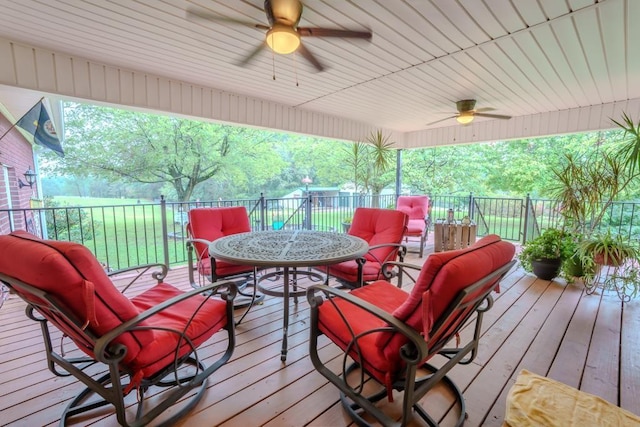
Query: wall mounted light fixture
x=30, y=177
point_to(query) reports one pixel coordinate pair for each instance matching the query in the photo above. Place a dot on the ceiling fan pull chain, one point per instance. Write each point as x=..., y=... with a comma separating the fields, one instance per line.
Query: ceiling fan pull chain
x=295, y=68
x=273, y=64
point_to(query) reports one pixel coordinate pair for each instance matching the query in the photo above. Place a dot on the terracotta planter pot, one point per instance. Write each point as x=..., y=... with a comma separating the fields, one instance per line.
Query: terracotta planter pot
x=611, y=261
x=546, y=269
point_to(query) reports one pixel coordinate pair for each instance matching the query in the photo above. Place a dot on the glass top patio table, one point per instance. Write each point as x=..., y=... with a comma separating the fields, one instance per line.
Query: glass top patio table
x=287, y=249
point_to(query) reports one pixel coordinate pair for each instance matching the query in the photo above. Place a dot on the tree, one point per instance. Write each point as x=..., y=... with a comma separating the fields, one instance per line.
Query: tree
x=147, y=148
x=370, y=163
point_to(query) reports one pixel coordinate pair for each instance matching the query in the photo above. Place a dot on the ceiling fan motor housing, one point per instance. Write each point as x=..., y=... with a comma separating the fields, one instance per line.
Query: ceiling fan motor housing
x=466, y=105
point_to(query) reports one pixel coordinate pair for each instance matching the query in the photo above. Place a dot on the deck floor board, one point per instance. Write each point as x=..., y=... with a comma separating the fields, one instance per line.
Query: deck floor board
x=551, y=328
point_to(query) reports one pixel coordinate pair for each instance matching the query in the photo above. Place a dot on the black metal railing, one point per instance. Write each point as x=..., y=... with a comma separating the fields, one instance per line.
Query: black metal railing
x=133, y=234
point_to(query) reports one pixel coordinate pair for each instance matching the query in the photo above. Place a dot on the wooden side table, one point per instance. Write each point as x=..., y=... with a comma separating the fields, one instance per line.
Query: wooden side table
x=453, y=235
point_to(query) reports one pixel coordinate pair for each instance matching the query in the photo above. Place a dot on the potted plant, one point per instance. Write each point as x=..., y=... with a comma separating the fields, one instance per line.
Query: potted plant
x=607, y=249
x=346, y=224
x=545, y=254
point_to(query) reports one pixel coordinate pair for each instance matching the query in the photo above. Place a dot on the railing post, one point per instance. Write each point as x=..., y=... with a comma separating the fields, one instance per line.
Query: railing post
x=471, y=206
x=165, y=231
x=307, y=213
x=527, y=205
x=263, y=209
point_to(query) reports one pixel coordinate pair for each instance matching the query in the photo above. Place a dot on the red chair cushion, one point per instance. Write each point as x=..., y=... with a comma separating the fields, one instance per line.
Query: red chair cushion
x=379, y=226
x=208, y=317
x=70, y=272
x=211, y=224
x=442, y=276
x=332, y=325
x=417, y=209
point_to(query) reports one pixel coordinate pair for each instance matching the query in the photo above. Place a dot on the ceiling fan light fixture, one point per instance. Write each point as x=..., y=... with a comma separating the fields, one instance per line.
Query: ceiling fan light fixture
x=283, y=39
x=464, y=118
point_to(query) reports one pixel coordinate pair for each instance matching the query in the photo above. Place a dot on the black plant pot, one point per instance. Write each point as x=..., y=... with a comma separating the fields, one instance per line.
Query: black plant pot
x=546, y=269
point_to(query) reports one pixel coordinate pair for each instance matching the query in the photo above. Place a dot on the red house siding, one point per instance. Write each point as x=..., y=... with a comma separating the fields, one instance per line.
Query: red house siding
x=16, y=156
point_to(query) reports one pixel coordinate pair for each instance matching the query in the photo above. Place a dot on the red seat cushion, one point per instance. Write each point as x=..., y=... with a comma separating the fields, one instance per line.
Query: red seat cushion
x=332, y=325
x=210, y=317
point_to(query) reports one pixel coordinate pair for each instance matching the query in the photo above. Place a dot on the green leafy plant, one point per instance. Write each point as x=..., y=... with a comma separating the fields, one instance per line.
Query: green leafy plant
x=630, y=150
x=607, y=249
x=553, y=243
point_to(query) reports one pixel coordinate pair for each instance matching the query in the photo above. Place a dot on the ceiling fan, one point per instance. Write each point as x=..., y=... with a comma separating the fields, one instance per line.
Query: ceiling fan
x=283, y=34
x=467, y=112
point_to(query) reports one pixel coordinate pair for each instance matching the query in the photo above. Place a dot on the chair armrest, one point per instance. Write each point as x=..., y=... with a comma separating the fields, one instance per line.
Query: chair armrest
x=402, y=251
x=396, y=325
x=403, y=269
x=141, y=270
x=104, y=341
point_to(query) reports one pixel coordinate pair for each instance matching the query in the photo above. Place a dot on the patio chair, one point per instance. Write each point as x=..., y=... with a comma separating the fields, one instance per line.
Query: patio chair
x=417, y=208
x=383, y=230
x=207, y=225
x=146, y=342
x=391, y=334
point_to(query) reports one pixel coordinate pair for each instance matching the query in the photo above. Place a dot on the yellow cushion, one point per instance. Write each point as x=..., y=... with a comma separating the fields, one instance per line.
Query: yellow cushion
x=538, y=401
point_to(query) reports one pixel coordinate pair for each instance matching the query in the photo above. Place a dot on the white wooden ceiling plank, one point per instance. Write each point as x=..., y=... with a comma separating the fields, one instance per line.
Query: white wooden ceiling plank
x=467, y=82
x=414, y=26
x=547, y=40
x=484, y=17
x=565, y=34
x=493, y=58
x=589, y=33
x=460, y=18
x=507, y=15
x=554, y=8
x=614, y=38
x=632, y=58
x=398, y=57
x=409, y=41
x=546, y=67
x=518, y=56
x=451, y=39
x=490, y=91
x=581, y=4
x=530, y=11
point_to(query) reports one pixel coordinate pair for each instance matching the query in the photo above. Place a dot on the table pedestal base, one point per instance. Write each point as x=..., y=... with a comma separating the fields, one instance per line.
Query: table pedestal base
x=286, y=292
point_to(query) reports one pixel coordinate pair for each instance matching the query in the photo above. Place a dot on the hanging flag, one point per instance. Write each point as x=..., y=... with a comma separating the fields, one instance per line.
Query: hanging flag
x=38, y=123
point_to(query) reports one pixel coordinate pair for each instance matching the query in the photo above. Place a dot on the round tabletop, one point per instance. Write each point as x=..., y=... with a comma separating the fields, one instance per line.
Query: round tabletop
x=288, y=248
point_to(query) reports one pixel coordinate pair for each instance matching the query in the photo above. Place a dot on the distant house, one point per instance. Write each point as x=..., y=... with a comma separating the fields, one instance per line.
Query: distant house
x=16, y=157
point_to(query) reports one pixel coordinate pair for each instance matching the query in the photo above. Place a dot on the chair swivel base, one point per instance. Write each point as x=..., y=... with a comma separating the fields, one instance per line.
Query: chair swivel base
x=356, y=410
x=81, y=405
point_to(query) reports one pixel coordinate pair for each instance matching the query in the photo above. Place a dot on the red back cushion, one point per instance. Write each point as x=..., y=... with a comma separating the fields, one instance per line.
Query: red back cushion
x=379, y=226
x=443, y=275
x=71, y=273
x=212, y=223
x=416, y=207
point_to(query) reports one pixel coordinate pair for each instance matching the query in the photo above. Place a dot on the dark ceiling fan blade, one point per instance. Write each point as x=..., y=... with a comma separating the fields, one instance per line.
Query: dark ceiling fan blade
x=310, y=57
x=251, y=55
x=195, y=15
x=484, y=109
x=493, y=116
x=327, y=32
x=442, y=120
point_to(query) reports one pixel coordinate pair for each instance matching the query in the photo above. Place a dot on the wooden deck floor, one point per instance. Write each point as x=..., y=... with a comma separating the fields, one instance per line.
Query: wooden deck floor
x=587, y=341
